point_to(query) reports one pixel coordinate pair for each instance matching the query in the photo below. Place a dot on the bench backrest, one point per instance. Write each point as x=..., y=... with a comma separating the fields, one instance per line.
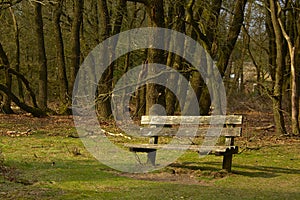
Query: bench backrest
x=232, y=124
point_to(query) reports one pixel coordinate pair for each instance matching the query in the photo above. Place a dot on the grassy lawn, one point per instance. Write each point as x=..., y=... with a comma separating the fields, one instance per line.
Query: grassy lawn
x=45, y=165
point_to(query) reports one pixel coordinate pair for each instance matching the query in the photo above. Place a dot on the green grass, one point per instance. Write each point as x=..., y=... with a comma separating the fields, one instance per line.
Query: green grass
x=44, y=167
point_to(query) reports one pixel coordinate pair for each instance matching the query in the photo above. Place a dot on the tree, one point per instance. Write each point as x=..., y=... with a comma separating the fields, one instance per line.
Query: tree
x=106, y=82
x=217, y=38
x=280, y=64
x=64, y=95
x=8, y=82
x=232, y=35
x=35, y=111
x=75, y=40
x=177, y=13
x=17, y=41
x=41, y=55
x=293, y=47
x=155, y=93
x=8, y=4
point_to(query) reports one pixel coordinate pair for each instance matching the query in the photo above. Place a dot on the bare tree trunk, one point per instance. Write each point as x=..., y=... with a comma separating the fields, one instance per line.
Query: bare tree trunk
x=42, y=60
x=155, y=93
x=36, y=112
x=140, y=103
x=8, y=82
x=75, y=40
x=246, y=40
x=295, y=91
x=297, y=74
x=271, y=43
x=8, y=93
x=177, y=60
x=17, y=41
x=65, y=101
x=234, y=31
x=294, y=82
x=105, y=84
x=23, y=80
x=277, y=93
x=196, y=81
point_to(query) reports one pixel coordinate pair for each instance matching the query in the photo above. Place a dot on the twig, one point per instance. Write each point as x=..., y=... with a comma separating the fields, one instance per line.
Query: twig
x=116, y=135
x=265, y=127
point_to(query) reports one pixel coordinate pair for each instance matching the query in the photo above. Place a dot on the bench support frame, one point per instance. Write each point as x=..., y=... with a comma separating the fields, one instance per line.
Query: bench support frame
x=226, y=152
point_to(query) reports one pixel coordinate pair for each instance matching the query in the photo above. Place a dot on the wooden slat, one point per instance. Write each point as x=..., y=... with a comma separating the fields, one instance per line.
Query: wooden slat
x=201, y=120
x=152, y=147
x=186, y=132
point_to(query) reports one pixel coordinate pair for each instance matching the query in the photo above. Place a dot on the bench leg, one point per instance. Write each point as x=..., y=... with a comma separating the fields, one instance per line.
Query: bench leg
x=152, y=155
x=151, y=158
x=227, y=162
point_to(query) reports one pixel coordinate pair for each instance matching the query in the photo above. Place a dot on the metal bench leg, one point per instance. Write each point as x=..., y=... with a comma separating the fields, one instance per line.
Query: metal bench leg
x=151, y=158
x=227, y=162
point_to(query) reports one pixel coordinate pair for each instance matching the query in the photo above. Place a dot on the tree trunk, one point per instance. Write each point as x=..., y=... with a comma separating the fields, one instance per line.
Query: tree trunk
x=297, y=77
x=277, y=93
x=295, y=54
x=8, y=82
x=23, y=80
x=196, y=81
x=140, y=95
x=246, y=45
x=233, y=33
x=155, y=93
x=75, y=41
x=295, y=93
x=106, y=82
x=177, y=60
x=36, y=112
x=42, y=60
x=17, y=41
x=65, y=101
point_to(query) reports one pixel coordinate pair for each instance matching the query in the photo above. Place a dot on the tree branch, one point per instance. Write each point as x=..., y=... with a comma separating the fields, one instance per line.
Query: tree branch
x=139, y=1
x=7, y=4
x=36, y=112
x=25, y=81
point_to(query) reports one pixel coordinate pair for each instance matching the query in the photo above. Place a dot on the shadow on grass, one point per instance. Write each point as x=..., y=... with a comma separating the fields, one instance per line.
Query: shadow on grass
x=87, y=179
x=264, y=170
x=247, y=170
x=63, y=170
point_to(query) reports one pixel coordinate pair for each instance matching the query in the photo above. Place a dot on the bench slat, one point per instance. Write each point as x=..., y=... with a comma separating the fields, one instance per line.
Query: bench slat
x=186, y=132
x=201, y=120
x=152, y=147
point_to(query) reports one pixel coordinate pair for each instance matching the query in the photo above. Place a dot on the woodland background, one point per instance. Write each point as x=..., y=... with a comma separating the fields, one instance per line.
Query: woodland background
x=43, y=43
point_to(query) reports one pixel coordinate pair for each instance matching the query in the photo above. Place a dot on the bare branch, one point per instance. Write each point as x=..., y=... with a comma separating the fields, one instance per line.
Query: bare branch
x=34, y=111
x=139, y=1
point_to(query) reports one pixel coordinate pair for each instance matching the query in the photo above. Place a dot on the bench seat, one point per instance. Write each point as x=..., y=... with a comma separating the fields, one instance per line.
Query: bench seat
x=217, y=150
x=228, y=126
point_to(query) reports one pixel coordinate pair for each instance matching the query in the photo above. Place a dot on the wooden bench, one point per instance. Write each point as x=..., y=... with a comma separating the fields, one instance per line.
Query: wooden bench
x=229, y=129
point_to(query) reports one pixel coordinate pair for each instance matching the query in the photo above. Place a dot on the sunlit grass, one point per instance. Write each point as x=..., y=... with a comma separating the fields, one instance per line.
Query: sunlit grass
x=47, y=168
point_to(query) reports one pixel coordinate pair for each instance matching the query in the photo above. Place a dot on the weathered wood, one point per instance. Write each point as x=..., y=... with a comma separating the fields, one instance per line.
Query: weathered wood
x=189, y=126
x=200, y=120
x=229, y=141
x=218, y=150
x=186, y=132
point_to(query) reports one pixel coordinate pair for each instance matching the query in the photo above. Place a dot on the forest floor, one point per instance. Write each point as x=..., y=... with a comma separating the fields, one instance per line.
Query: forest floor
x=43, y=159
